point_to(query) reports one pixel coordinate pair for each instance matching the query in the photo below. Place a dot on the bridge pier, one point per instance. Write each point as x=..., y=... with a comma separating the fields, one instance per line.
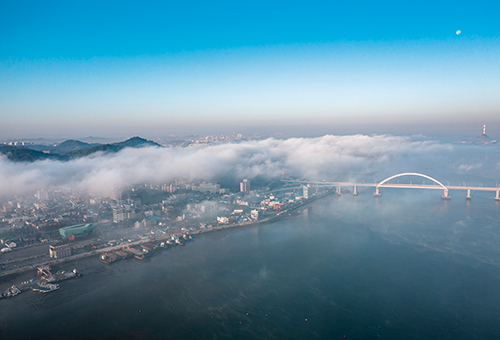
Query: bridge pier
x=445, y=195
x=468, y=197
x=497, y=198
x=377, y=193
x=338, y=191
x=355, y=192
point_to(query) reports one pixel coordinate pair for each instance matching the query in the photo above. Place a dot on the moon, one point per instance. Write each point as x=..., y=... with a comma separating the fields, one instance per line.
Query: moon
x=458, y=32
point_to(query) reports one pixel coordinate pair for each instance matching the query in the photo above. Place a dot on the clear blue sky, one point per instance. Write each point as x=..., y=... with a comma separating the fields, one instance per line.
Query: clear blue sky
x=74, y=68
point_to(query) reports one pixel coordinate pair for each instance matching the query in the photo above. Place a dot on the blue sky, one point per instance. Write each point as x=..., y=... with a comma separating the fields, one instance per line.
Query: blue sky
x=70, y=69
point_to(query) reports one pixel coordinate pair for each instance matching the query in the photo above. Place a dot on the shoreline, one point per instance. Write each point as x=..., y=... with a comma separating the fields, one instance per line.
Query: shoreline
x=12, y=274
x=285, y=214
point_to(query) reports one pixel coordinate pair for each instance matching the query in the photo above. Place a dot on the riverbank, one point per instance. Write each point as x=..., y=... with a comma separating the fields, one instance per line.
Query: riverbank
x=330, y=272
x=8, y=276
x=279, y=216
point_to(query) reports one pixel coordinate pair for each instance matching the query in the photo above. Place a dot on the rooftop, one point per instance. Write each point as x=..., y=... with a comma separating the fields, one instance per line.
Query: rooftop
x=77, y=229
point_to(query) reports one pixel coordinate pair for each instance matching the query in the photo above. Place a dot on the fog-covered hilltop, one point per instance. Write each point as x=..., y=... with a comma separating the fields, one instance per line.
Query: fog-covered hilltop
x=69, y=149
x=24, y=154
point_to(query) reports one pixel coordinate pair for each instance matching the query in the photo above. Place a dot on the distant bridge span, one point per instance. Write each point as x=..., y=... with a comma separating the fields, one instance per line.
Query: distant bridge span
x=384, y=184
x=445, y=195
x=412, y=174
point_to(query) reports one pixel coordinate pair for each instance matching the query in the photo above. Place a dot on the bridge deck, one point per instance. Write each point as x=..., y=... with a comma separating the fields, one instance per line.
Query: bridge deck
x=401, y=186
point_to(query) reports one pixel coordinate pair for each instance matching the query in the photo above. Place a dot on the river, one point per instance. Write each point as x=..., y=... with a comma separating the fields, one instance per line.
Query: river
x=403, y=266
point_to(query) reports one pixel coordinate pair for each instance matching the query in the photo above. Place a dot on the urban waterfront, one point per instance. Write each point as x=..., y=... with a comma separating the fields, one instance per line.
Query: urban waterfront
x=234, y=170
x=405, y=265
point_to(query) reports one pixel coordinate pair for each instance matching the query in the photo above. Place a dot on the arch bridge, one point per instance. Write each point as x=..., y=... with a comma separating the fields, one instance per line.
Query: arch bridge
x=437, y=185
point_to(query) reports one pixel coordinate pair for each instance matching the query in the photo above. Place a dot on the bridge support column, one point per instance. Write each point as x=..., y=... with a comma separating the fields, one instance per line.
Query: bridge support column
x=377, y=193
x=445, y=195
x=337, y=191
x=497, y=198
x=355, y=192
x=468, y=197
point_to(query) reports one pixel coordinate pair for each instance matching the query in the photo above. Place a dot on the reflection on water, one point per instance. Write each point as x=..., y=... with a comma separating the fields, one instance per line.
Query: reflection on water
x=405, y=265
x=470, y=228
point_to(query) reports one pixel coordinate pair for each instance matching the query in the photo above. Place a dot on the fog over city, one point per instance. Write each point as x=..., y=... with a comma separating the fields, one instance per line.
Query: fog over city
x=250, y=170
x=322, y=158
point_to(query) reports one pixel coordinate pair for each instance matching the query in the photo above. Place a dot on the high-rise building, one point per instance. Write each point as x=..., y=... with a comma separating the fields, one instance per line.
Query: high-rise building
x=42, y=195
x=168, y=188
x=204, y=187
x=118, y=215
x=305, y=191
x=245, y=185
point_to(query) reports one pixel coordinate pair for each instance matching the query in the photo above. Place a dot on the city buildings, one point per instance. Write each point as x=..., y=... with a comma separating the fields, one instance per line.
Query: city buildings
x=78, y=230
x=118, y=215
x=305, y=191
x=59, y=251
x=42, y=195
x=168, y=188
x=34, y=220
x=222, y=220
x=245, y=186
x=204, y=187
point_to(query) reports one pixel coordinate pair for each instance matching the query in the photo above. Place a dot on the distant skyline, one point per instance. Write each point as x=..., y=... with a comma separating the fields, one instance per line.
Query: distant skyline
x=297, y=68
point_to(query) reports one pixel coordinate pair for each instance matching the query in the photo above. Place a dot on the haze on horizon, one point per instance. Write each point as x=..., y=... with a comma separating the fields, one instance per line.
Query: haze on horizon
x=353, y=91
x=71, y=70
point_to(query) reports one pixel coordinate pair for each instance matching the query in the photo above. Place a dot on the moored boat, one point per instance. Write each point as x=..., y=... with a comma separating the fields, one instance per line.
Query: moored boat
x=46, y=288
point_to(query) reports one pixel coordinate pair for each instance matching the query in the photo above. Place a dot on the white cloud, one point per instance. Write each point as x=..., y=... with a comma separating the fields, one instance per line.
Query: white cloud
x=311, y=158
x=463, y=168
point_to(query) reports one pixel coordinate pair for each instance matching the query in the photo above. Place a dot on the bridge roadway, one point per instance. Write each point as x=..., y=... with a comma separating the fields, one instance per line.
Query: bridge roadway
x=390, y=185
x=401, y=186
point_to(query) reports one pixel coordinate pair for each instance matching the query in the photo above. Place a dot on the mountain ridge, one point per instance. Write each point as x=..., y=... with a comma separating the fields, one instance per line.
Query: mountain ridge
x=70, y=149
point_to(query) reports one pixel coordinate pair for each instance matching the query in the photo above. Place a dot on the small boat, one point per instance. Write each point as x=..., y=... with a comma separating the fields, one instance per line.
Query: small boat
x=12, y=291
x=46, y=288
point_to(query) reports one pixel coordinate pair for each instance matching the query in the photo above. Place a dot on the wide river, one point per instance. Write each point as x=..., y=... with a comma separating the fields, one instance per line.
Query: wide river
x=404, y=266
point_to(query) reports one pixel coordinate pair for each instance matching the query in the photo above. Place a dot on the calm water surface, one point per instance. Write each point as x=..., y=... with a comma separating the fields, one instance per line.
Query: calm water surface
x=405, y=266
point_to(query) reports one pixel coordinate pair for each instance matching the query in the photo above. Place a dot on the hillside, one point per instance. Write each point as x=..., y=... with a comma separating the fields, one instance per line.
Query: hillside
x=19, y=154
x=134, y=142
x=71, y=149
x=71, y=145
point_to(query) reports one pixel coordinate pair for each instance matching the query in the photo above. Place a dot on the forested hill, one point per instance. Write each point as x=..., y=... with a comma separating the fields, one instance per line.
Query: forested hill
x=69, y=149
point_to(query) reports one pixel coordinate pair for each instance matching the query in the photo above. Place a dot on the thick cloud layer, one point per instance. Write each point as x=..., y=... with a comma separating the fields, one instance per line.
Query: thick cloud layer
x=312, y=158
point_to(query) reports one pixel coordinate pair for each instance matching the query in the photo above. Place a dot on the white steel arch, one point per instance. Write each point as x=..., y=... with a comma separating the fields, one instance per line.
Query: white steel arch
x=411, y=174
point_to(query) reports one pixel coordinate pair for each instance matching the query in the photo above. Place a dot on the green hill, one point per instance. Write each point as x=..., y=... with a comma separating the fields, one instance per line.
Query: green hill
x=71, y=145
x=20, y=154
x=71, y=149
x=134, y=142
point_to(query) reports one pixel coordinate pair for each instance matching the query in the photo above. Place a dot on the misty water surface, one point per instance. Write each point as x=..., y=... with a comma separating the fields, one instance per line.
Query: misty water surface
x=406, y=265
